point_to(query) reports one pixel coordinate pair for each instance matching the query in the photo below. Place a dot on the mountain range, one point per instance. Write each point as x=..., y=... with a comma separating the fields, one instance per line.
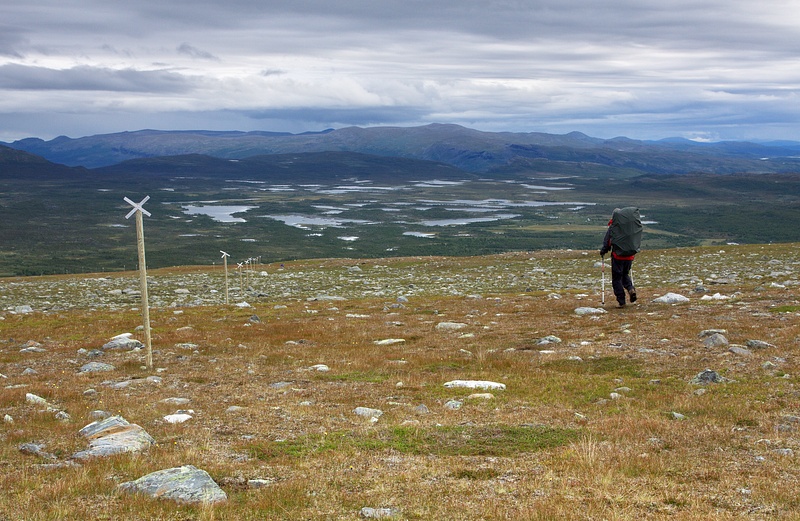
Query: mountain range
x=467, y=149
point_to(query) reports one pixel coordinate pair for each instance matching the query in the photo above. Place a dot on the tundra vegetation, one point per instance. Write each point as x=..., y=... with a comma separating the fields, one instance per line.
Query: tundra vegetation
x=602, y=415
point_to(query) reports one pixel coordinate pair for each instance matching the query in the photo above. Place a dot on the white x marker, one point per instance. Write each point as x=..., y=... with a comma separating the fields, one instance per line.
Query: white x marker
x=224, y=254
x=137, y=206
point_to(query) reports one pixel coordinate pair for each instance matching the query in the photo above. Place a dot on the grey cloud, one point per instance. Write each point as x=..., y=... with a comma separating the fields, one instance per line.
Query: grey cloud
x=85, y=78
x=334, y=117
x=194, y=52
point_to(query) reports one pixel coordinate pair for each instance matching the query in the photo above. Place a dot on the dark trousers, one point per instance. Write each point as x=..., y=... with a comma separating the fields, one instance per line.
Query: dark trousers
x=621, y=278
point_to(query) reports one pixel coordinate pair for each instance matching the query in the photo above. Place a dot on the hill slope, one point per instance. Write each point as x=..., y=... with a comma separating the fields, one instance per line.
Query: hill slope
x=464, y=148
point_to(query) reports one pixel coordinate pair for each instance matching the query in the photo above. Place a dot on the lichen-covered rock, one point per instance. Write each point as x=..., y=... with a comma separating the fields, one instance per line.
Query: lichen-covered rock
x=186, y=484
x=113, y=435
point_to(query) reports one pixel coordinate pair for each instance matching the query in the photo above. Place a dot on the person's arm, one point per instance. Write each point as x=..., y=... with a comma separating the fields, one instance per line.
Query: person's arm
x=606, y=242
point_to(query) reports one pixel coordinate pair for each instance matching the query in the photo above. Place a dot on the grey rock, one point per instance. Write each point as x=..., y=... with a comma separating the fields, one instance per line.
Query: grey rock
x=708, y=376
x=366, y=412
x=450, y=326
x=35, y=449
x=96, y=367
x=124, y=343
x=739, y=350
x=549, y=339
x=453, y=405
x=186, y=484
x=113, y=435
x=708, y=332
x=176, y=401
x=671, y=298
x=715, y=340
x=29, y=372
x=421, y=409
x=377, y=513
x=589, y=311
x=758, y=344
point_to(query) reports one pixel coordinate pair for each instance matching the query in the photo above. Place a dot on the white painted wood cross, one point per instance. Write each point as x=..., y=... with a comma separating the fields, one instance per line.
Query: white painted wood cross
x=225, y=260
x=240, y=265
x=139, y=210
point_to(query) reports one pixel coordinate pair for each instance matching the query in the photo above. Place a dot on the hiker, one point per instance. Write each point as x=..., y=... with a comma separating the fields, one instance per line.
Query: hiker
x=622, y=238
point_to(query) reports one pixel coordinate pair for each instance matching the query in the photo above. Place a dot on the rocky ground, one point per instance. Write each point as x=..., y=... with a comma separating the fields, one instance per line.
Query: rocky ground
x=420, y=388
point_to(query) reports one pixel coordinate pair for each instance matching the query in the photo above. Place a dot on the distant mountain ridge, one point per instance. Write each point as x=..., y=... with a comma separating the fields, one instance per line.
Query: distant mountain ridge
x=468, y=149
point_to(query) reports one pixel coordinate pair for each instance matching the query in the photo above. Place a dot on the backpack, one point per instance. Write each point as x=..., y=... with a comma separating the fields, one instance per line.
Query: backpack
x=626, y=231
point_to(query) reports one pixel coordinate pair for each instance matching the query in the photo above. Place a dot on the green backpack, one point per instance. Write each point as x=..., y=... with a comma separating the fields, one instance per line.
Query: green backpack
x=626, y=231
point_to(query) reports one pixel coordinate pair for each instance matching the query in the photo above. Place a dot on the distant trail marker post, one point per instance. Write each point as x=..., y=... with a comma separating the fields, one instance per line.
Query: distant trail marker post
x=225, y=260
x=139, y=210
x=241, y=284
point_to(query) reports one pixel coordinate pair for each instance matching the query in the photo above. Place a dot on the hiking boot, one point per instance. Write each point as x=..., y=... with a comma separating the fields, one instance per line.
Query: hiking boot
x=633, y=295
x=621, y=302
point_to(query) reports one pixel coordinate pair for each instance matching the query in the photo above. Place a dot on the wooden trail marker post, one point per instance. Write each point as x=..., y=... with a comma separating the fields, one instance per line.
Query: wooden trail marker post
x=225, y=260
x=139, y=210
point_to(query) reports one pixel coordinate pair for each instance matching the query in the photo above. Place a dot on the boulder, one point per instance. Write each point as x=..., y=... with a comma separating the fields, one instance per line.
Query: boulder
x=186, y=484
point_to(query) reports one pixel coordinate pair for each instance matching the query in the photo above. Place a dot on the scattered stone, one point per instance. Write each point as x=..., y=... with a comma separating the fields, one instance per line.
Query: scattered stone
x=480, y=396
x=739, y=350
x=29, y=372
x=254, y=319
x=234, y=409
x=96, y=367
x=38, y=400
x=320, y=367
x=475, y=384
x=715, y=296
x=421, y=409
x=113, y=435
x=123, y=342
x=450, y=326
x=453, y=405
x=549, y=339
x=366, y=412
x=177, y=418
x=99, y=415
x=708, y=332
x=260, y=483
x=377, y=513
x=715, y=340
x=671, y=298
x=677, y=416
x=758, y=344
x=63, y=417
x=389, y=341
x=589, y=311
x=784, y=452
x=186, y=484
x=35, y=449
x=8, y=419
x=21, y=310
x=708, y=376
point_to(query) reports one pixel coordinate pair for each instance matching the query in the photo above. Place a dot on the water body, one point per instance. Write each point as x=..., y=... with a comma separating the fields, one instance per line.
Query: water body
x=304, y=221
x=223, y=214
x=469, y=220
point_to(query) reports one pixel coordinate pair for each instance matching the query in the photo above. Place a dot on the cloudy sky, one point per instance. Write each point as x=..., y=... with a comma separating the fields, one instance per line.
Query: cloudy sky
x=646, y=69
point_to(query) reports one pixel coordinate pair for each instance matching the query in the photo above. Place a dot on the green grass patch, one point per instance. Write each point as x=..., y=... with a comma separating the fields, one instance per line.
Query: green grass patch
x=785, y=309
x=356, y=376
x=497, y=440
x=610, y=365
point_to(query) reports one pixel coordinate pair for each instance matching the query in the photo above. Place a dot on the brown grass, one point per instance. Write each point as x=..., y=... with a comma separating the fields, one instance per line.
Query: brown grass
x=553, y=445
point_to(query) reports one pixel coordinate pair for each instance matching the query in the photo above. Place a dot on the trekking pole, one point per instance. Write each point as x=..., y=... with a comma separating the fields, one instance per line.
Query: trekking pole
x=603, y=279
